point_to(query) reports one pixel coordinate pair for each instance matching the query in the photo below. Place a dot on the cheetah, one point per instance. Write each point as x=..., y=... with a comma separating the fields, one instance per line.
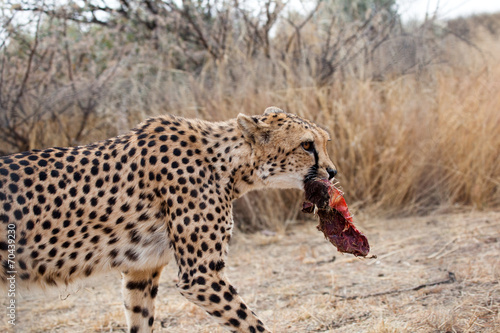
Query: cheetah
x=162, y=191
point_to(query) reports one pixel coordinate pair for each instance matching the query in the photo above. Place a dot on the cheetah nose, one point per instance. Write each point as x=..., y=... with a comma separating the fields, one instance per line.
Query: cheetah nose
x=331, y=173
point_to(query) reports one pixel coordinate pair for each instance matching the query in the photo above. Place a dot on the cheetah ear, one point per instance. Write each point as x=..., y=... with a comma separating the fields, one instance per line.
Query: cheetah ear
x=273, y=109
x=252, y=128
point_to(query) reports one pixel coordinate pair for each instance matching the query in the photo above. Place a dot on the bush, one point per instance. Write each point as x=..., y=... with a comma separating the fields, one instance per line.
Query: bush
x=413, y=112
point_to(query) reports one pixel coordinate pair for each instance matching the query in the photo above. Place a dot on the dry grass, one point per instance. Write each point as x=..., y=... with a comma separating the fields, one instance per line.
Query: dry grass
x=409, y=144
x=425, y=143
x=406, y=145
x=291, y=280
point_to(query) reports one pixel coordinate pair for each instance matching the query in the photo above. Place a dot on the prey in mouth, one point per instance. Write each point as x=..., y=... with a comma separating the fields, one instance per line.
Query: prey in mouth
x=335, y=221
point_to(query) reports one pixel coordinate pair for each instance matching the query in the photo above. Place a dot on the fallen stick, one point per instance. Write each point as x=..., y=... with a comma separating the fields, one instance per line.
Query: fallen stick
x=451, y=279
x=437, y=253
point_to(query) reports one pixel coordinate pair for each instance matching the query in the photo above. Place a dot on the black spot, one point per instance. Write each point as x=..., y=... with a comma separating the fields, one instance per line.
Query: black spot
x=56, y=214
x=134, y=236
x=137, y=285
x=60, y=263
x=77, y=176
x=13, y=188
x=219, y=265
x=88, y=271
x=30, y=225
x=42, y=269
x=214, y=298
x=234, y=322
x=21, y=200
x=241, y=314
x=14, y=177
x=18, y=214
x=154, y=291
x=131, y=255
x=22, y=264
x=113, y=253
x=58, y=201
x=228, y=296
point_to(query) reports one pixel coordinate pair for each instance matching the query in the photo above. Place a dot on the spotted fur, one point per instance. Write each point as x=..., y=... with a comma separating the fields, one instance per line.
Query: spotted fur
x=130, y=202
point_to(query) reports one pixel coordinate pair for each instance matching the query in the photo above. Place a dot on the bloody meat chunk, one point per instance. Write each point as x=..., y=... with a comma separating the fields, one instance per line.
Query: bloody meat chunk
x=335, y=221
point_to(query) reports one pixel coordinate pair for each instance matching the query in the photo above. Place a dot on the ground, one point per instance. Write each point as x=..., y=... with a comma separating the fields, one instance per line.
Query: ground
x=433, y=274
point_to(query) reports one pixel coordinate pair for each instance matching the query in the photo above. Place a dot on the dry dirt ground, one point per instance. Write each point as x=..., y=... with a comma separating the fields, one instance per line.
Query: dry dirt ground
x=433, y=274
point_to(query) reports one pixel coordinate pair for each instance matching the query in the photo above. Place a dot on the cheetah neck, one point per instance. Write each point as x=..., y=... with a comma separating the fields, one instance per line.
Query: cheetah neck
x=216, y=151
x=230, y=159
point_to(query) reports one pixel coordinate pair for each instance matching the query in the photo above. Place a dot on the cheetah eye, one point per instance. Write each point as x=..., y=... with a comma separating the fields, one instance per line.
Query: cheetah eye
x=308, y=146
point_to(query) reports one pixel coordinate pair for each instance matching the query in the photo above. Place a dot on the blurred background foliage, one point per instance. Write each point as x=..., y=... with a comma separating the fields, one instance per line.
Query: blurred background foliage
x=413, y=106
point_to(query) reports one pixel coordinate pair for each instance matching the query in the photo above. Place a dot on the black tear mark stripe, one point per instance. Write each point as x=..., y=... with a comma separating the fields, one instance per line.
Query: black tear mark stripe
x=316, y=157
x=313, y=171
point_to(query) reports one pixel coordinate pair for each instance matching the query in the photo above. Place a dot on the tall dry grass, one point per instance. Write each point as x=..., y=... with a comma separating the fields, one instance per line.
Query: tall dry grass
x=406, y=144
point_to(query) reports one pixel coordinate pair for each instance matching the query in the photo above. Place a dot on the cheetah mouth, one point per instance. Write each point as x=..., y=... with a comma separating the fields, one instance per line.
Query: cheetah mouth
x=326, y=201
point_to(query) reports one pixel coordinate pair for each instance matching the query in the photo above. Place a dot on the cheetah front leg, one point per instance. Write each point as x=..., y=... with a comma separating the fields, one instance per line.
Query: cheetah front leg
x=200, y=247
x=202, y=279
x=139, y=290
x=210, y=289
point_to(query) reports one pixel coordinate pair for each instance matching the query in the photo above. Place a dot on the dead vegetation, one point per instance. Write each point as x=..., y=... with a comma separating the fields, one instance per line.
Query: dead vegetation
x=432, y=274
x=413, y=109
x=414, y=116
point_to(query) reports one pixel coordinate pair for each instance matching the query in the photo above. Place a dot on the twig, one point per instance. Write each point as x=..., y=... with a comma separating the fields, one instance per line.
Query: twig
x=437, y=253
x=348, y=320
x=386, y=255
x=451, y=279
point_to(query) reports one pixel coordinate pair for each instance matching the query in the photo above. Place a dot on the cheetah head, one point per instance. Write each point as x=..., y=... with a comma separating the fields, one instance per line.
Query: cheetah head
x=287, y=150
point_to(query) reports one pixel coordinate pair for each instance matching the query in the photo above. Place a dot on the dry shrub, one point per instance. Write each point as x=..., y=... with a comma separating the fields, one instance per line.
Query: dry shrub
x=411, y=144
x=402, y=143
